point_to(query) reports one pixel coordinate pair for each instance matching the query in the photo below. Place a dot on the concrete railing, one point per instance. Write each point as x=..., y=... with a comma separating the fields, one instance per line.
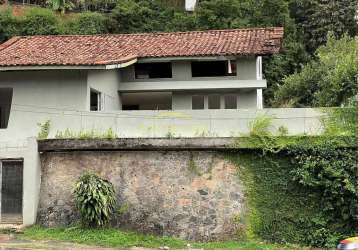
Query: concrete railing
x=24, y=122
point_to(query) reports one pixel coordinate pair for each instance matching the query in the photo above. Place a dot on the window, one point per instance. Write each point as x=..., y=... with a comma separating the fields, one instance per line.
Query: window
x=95, y=100
x=230, y=101
x=5, y=106
x=214, y=101
x=153, y=70
x=198, y=102
x=213, y=68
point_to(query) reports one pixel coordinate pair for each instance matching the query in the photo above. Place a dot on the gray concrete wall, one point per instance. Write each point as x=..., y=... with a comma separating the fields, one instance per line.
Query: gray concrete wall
x=182, y=123
x=106, y=82
x=181, y=70
x=246, y=98
x=27, y=151
x=61, y=89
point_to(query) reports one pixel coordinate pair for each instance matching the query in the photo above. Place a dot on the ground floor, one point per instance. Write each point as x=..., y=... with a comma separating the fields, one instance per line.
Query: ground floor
x=179, y=100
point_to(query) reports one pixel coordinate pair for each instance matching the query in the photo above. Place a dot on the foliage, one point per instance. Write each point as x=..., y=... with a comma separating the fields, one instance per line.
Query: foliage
x=324, y=167
x=84, y=134
x=334, y=173
x=274, y=201
x=130, y=16
x=125, y=239
x=8, y=25
x=95, y=199
x=60, y=5
x=328, y=81
x=44, y=130
x=317, y=18
x=260, y=126
x=38, y=21
x=86, y=23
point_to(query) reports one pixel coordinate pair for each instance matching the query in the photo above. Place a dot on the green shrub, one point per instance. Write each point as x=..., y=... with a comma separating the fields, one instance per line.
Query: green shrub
x=333, y=172
x=44, y=130
x=330, y=80
x=260, y=126
x=87, y=23
x=95, y=200
x=8, y=25
x=39, y=21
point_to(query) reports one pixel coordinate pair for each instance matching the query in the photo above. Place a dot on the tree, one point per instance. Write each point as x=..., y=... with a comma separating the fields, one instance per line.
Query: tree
x=131, y=16
x=87, y=23
x=39, y=21
x=330, y=80
x=317, y=17
x=8, y=25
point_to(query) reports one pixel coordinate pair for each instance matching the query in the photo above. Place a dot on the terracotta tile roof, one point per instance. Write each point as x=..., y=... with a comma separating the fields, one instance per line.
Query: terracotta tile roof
x=113, y=49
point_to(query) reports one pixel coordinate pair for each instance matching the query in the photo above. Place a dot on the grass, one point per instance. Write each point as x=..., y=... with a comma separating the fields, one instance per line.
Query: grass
x=119, y=238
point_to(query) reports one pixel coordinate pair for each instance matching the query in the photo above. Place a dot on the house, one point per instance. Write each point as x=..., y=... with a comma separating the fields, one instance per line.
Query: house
x=191, y=84
x=218, y=69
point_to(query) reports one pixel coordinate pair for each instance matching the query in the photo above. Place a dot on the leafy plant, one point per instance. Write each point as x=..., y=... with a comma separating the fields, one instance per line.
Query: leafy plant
x=87, y=23
x=44, y=130
x=95, y=199
x=260, y=126
x=330, y=80
x=282, y=131
x=83, y=134
x=39, y=21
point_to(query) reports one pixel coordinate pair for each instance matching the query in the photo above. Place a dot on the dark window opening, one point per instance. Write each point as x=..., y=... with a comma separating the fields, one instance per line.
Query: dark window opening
x=198, y=102
x=153, y=70
x=213, y=68
x=230, y=102
x=5, y=106
x=214, y=101
x=146, y=101
x=95, y=100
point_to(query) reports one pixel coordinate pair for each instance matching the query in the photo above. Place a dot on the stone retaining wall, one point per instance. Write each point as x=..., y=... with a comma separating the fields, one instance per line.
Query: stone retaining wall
x=194, y=195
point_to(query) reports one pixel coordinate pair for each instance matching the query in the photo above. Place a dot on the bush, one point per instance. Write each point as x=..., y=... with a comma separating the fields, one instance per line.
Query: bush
x=8, y=25
x=330, y=171
x=328, y=81
x=95, y=200
x=87, y=23
x=39, y=21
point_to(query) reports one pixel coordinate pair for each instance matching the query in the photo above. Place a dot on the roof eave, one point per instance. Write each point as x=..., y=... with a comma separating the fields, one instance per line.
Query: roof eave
x=68, y=67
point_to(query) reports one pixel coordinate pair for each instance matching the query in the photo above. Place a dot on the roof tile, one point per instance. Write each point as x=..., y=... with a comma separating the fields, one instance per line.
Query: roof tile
x=118, y=48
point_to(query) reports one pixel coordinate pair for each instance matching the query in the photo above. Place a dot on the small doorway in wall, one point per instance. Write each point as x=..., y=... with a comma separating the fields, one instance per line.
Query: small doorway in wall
x=11, y=191
x=95, y=100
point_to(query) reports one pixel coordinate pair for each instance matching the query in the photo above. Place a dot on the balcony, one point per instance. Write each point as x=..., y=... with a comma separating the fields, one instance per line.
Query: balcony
x=199, y=84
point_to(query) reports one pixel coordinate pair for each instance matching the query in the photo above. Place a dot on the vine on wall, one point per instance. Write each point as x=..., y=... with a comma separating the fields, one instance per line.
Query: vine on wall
x=319, y=174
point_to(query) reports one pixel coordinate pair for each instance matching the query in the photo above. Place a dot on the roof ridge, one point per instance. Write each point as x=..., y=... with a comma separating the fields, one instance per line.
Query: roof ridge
x=159, y=33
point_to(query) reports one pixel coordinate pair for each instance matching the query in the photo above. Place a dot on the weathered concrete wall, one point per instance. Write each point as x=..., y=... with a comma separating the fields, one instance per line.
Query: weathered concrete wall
x=188, y=194
x=26, y=150
x=106, y=82
x=24, y=121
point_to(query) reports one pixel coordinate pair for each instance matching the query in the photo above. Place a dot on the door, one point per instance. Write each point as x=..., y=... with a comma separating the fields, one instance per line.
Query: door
x=11, y=191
